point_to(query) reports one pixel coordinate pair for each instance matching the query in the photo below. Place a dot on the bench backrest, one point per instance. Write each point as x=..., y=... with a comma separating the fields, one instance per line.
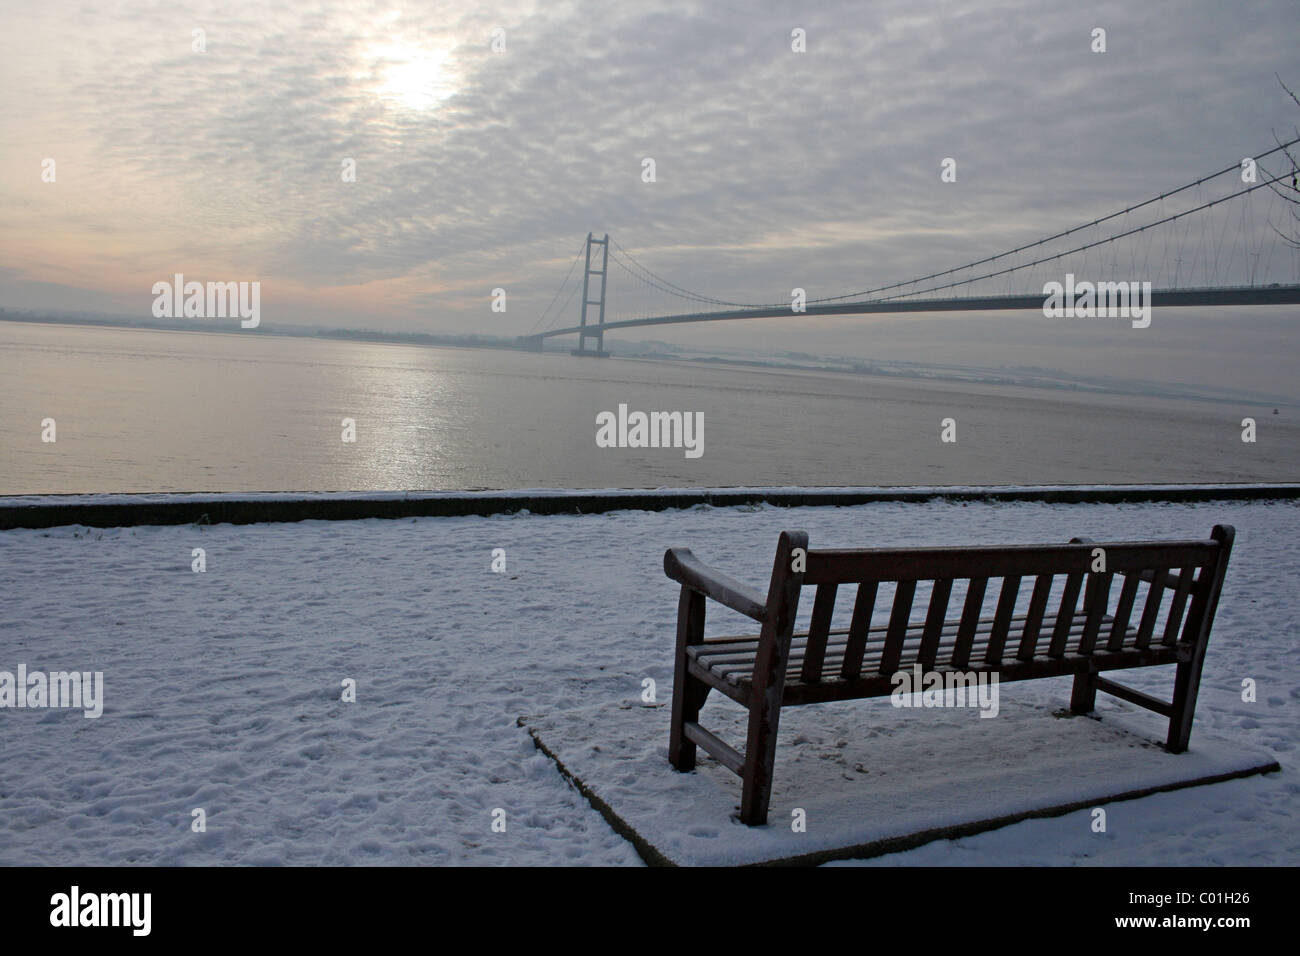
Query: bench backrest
x=1192, y=570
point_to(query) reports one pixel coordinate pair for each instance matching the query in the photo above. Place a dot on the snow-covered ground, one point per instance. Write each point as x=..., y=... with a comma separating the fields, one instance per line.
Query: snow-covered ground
x=222, y=688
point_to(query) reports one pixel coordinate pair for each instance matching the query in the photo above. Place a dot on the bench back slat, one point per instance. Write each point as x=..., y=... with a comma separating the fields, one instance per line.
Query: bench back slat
x=1002, y=620
x=1065, y=615
x=1176, y=609
x=933, y=642
x=1202, y=593
x=1151, y=609
x=1034, y=622
x=934, y=620
x=1123, y=611
x=1096, y=599
x=898, y=620
x=863, y=607
x=815, y=651
x=970, y=618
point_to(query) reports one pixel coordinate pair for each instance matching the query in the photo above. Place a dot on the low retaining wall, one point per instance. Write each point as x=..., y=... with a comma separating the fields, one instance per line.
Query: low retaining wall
x=114, y=511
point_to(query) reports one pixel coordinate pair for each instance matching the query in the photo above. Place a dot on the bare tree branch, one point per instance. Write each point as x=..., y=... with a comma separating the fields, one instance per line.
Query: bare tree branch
x=1294, y=98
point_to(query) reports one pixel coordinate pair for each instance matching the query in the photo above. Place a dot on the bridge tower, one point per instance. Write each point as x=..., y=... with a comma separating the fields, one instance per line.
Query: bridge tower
x=587, y=301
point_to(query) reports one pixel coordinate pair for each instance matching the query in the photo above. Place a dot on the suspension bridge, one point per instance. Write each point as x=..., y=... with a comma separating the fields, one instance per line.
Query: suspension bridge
x=1231, y=238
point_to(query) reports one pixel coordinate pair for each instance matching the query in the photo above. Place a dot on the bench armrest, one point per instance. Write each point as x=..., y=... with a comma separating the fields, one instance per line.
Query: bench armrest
x=685, y=568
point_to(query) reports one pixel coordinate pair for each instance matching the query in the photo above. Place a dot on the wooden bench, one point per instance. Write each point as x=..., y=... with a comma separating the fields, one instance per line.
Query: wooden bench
x=778, y=668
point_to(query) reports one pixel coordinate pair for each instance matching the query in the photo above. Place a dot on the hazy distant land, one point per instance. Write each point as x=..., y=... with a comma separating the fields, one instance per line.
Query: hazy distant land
x=654, y=350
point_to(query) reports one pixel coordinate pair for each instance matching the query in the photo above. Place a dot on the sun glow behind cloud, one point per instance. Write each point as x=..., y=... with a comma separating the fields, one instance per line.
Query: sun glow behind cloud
x=411, y=77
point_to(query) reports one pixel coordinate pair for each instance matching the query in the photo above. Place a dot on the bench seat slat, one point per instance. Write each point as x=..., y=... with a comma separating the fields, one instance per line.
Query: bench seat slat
x=740, y=670
x=732, y=659
x=736, y=677
x=875, y=637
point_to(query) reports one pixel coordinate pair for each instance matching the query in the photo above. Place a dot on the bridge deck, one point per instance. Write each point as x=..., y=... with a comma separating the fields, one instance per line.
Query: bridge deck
x=1160, y=298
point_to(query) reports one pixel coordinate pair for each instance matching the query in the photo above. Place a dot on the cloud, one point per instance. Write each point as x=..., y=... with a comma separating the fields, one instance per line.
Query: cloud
x=775, y=169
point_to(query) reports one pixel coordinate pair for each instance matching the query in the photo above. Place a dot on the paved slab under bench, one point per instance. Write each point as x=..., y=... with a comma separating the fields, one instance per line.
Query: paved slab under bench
x=872, y=778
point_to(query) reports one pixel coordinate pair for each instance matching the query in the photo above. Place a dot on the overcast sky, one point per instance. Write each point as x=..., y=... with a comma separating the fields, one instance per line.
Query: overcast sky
x=478, y=169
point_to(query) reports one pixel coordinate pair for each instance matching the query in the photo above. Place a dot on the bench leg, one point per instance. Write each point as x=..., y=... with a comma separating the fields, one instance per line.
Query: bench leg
x=760, y=760
x=1083, y=698
x=766, y=691
x=688, y=693
x=681, y=751
x=1187, y=680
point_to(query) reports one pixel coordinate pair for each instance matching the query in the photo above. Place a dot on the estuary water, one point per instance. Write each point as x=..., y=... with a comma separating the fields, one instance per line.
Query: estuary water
x=137, y=410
